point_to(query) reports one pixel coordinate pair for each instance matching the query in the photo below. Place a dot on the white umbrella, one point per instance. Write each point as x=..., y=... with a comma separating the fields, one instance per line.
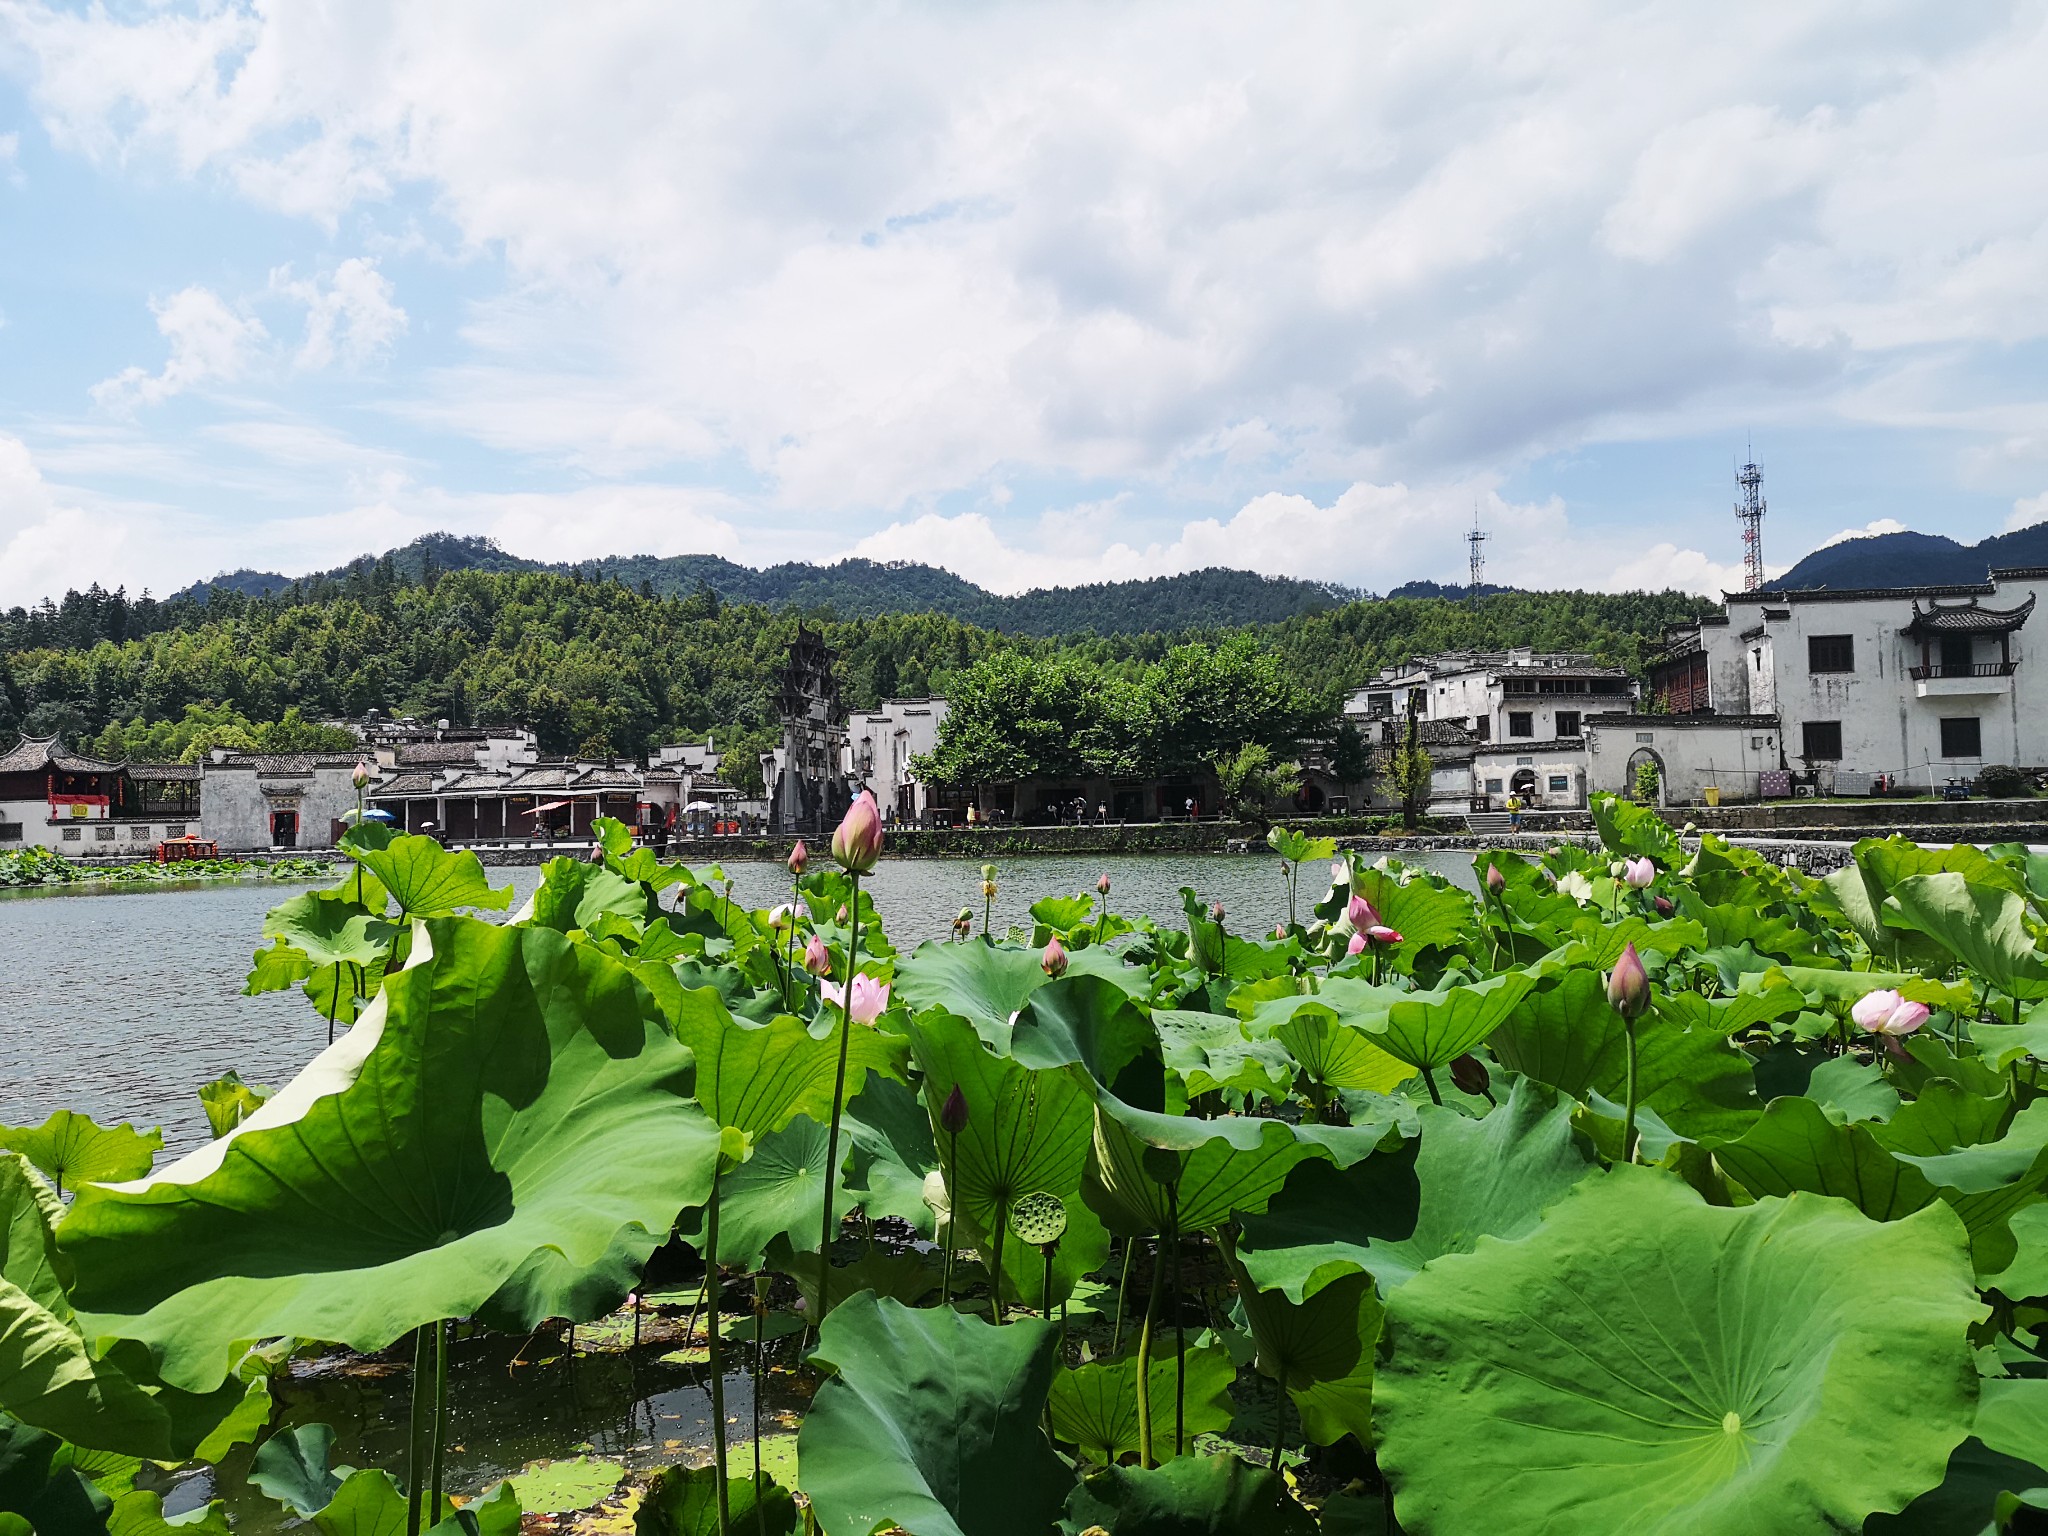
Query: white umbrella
x=701, y=805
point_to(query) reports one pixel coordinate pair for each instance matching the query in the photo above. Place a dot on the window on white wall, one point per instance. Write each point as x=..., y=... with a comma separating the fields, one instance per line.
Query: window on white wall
x=1962, y=736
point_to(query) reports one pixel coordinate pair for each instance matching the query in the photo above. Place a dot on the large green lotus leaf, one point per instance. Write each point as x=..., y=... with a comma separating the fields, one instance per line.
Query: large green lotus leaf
x=1599, y=943
x=1095, y=1406
x=1321, y=1351
x=1944, y=1116
x=1091, y=1023
x=1635, y=830
x=328, y=929
x=2026, y=1275
x=1433, y=1029
x=140, y=1512
x=909, y=1277
x=1191, y=1496
x=1859, y=896
x=295, y=1467
x=1213, y=1051
x=1392, y=1213
x=574, y=894
x=1852, y=1090
x=1796, y=1146
x=1888, y=861
x=1063, y=914
x=979, y=981
x=511, y=1094
x=892, y=1152
x=779, y=1191
x=1840, y=989
x=683, y=1501
x=1221, y=1166
x=39, y=1493
x=932, y=1422
x=1026, y=1131
x=1646, y=1362
x=49, y=1376
x=1988, y=1182
x=72, y=1149
x=426, y=880
x=1983, y=926
x=756, y=1077
x=1338, y=1056
x=1765, y=932
x=1109, y=964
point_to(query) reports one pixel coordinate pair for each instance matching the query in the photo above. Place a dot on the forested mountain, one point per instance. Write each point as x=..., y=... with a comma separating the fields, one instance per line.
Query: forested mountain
x=600, y=665
x=853, y=588
x=1914, y=560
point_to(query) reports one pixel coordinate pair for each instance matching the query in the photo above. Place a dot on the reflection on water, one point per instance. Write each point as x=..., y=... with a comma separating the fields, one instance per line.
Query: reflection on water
x=122, y=1004
x=511, y=1402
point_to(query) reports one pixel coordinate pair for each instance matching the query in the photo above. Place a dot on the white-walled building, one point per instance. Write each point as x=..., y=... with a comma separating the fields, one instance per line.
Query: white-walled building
x=53, y=797
x=884, y=742
x=1499, y=696
x=1920, y=685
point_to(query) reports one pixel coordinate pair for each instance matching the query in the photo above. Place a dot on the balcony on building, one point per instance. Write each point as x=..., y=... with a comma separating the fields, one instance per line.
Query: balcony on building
x=1965, y=648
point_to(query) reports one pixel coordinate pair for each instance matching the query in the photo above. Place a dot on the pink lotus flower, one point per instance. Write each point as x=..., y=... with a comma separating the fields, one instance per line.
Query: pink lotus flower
x=802, y=909
x=1340, y=871
x=870, y=997
x=1628, y=984
x=1886, y=1013
x=1639, y=872
x=1663, y=905
x=1054, y=961
x=1102, y=885
x=1380, y=933
x=1356, y=946
x=1361, y=913
x=1496, y=882
x=361, y=776
x=817, y=958
x=858, y=842
x=1216, y=912
x=799, y=858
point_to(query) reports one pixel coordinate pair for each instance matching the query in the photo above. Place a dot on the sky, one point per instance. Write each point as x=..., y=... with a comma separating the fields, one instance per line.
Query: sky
x=1043, y=293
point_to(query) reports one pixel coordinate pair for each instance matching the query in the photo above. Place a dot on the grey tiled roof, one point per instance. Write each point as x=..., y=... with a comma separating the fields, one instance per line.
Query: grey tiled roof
x=32, y=754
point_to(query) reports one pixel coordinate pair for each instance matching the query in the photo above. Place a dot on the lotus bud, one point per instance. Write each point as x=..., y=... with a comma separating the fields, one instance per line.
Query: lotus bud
x=1102, y=884
x=780, y=919
x=1628, y=984
x=1618, y=869
x=1887, y=1013
x=1662, y=904
x=1361, y=913
x=361, y=776
x=1691, y=827
x=817, y=958
x=1639, y=872
x=953, y=1113
x=1054, y=961
x=858, y=842
x=1496, y=882
x=799, y=858
x=1216, y=912
x=596, y=855
x=1380, y=933
x=1279, y=930
x=1356, y=946
x=1471, y=1076
x=839, y=917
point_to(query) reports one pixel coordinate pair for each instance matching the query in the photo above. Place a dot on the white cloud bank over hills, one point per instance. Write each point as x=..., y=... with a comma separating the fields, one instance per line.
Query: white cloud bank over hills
x=1054, y=292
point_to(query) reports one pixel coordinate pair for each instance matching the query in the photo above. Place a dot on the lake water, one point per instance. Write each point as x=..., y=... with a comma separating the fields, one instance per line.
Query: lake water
x=121, y=1005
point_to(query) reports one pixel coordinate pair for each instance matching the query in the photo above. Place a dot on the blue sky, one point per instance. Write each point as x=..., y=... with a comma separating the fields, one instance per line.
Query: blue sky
x=1044, y=293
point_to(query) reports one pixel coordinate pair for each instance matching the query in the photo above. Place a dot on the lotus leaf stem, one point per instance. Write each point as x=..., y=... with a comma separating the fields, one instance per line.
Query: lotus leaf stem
x=838, y=1102
x=1123, y=1287
x=1628, y=1126
x=1180, y=1342
x=1145, y=1357
x=760, y=1504
x=1429, y=1082
x=995, y=1289
x=416, y=1456
x=952, y=1225
x=712, y=1341
x=1045, y=1294
x=441, y=1332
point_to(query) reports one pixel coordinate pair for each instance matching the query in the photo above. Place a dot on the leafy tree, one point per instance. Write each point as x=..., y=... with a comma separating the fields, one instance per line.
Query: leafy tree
x=1409, y=772
x=1251, y=779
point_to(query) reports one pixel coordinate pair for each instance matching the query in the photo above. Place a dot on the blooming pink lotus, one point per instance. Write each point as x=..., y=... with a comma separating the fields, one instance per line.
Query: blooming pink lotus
x=1639, y=872
x=1884, y=1012
x=1361, y=913
x=817, y=958
x=870, y=997
x=1356, y=946
x=858, y=841
x=1054, y=961
x=1380, y=933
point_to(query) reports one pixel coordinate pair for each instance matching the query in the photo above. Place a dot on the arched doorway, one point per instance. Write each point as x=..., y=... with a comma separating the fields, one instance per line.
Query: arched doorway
x=1636, y=761
x=1522, y=785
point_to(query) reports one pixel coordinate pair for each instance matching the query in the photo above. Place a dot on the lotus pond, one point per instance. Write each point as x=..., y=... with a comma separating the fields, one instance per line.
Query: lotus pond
x=1652, y=1189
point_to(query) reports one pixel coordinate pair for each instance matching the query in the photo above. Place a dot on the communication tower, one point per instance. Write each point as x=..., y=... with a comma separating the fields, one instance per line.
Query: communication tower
x=1750, y=513
x=1475, y=542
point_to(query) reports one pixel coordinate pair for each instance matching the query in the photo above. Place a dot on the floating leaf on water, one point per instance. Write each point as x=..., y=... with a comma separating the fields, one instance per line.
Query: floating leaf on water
x=557, y=1487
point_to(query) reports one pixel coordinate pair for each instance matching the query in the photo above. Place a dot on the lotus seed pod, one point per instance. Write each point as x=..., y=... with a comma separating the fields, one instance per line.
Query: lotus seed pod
x=1040, y=1217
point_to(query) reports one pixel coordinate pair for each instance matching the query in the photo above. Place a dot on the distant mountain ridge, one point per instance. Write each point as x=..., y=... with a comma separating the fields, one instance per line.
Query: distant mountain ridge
x=1914, y=560
x=865, y=588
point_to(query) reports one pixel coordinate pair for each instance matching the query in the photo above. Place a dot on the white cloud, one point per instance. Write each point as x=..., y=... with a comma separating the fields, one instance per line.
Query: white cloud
x=52, y=539
x=1869, y=530
x=351, y=314
x=2026, y=512
x=210, y=342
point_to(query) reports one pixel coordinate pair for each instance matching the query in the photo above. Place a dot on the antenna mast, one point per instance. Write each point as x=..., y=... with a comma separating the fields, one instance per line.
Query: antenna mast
x=1475, y=542
x=1750, y=513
